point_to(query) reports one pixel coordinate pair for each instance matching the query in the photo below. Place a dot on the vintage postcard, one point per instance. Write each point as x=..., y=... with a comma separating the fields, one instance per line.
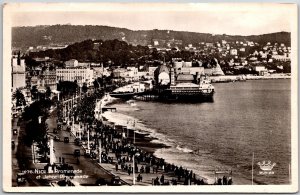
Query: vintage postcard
x=150, y=97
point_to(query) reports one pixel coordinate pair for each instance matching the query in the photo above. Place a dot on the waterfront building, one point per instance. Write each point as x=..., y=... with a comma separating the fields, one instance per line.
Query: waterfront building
x=162, y=75
x=79, y=74
x=129, y=73
x=132, y=73
x=174, y=86
x=260, y=69
x=185, y=78
x=18, y=72
x=119, y=73
x=100, y=72
x=151, y=70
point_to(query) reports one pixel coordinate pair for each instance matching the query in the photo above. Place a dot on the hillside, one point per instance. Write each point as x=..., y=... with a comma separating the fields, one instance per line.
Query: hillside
x=107, y=52
x=24, y=37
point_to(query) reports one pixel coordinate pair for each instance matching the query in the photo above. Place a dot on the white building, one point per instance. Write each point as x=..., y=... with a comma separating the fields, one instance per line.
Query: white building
x=151, y=70
x=18, y=73
x=284, y=57
x=233, y=52
x=81, y=75
x=71, y=63
x=132, y=73
x=100, y=72
x=261, y=70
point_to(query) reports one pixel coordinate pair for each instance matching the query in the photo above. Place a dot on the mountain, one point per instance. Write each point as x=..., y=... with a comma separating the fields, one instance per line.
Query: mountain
x=25, y=37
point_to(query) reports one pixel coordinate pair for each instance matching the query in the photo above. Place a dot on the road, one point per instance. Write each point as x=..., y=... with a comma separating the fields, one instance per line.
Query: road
x=88, y=166
x=15, y=139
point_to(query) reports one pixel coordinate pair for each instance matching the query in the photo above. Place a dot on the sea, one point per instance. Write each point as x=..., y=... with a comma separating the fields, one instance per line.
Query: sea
x=247, y=124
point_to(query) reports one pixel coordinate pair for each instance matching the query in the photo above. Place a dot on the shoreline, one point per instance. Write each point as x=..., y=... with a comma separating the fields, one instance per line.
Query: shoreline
x=142, y=139
x=243, y=78
x=149, y=144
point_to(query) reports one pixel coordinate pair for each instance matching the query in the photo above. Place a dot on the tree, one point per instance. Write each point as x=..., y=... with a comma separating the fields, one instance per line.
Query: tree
x=96, y=84
x=36, y=130
x=36, y=109
x=84, y=88
x=34, y=92
x=48, y=92
x=20, y=99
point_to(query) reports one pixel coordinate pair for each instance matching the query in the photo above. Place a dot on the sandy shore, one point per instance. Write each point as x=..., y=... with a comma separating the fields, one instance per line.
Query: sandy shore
x=142, y=140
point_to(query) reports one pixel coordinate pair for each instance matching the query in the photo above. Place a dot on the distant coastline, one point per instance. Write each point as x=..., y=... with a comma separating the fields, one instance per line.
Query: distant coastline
x=234, y=78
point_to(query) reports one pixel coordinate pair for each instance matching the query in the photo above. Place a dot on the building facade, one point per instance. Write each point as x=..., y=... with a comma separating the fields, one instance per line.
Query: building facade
x=71, y=63
x=48, y=79
x=80, y=75
x=18, y=73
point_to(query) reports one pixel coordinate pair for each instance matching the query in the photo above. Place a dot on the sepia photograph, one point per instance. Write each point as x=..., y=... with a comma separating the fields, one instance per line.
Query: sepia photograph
x=150, y=97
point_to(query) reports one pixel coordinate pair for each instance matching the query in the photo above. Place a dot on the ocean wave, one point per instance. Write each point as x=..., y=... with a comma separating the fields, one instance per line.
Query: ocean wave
x=184, y=149
x=126, y=120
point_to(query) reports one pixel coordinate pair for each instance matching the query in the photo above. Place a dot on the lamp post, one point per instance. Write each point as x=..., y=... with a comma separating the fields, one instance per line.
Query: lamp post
x=100, y=150
x=133, y=157
x=128, y=121
x=133, y=165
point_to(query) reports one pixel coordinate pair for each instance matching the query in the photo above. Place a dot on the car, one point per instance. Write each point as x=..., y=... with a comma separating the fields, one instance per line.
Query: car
x=101, y=182
x=56, y=138
x=78, y=143
x=76, y=152
x=116, y=181
x=13, y=145
x=87, y=153
x=66, y=140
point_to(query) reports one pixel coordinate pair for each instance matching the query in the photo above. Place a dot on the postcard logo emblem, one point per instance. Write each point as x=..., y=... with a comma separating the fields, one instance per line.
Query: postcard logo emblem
x=266, y=167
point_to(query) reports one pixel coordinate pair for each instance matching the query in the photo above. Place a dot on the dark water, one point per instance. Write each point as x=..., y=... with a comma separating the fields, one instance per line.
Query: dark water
x=245, y=118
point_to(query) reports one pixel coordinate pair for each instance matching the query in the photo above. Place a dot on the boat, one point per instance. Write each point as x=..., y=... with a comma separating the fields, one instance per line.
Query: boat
x=123, y=95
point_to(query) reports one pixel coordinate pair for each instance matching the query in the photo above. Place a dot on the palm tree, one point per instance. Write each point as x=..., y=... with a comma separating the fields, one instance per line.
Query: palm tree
x=34, y=92
x=20, y=99
x=48, y=92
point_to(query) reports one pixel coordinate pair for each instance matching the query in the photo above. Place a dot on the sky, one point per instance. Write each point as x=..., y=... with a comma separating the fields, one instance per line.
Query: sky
x=231, y=19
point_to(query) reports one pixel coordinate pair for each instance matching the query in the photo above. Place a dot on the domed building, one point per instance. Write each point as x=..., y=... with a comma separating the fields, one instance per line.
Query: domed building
x=162, y=75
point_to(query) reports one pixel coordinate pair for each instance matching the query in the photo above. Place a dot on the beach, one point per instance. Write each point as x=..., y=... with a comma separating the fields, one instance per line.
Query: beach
x=213, y=138
x=143, y=140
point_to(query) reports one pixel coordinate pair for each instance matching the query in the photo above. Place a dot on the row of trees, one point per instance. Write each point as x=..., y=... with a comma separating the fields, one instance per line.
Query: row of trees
x=36, y=128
